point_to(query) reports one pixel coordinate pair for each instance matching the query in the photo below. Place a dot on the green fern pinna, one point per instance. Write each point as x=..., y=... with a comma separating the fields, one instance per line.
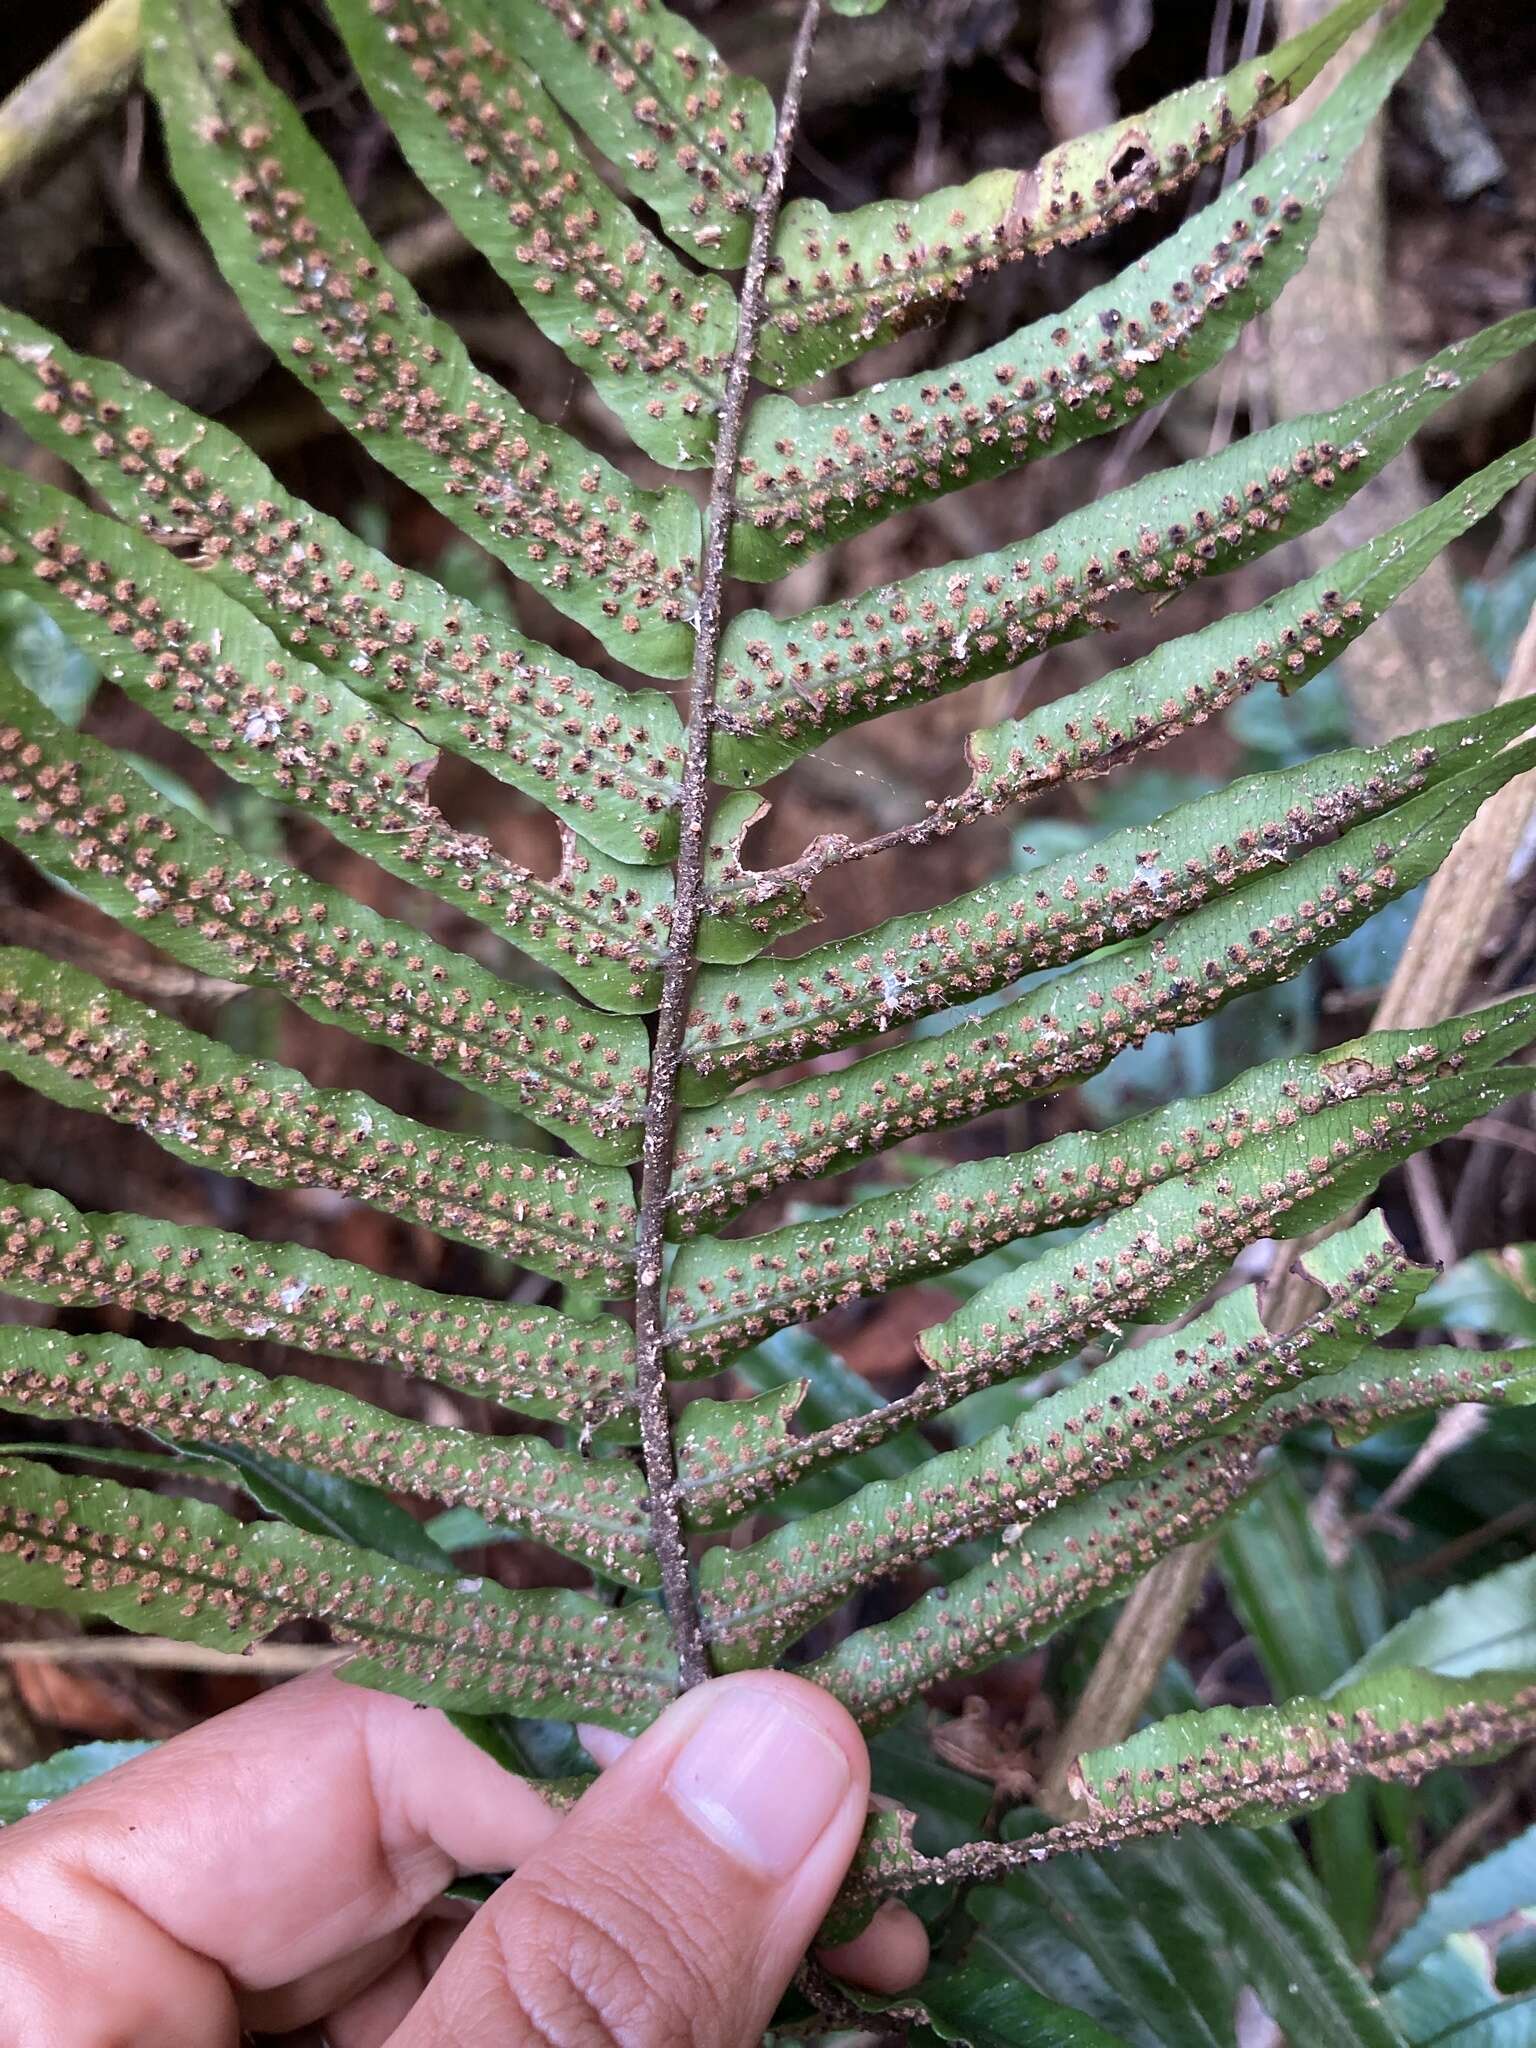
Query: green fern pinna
x=649, y=1045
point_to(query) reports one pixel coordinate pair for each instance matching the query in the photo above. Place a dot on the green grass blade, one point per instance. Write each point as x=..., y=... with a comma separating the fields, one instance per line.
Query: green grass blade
x=1168, y=1933
x=1306, y=1628
x=1490, y=1890
x=1483, y=1624
x=38, y=1785
x=978, y=2005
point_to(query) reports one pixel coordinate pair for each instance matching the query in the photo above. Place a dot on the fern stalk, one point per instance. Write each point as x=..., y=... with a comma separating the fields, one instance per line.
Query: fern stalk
x=658, y=1145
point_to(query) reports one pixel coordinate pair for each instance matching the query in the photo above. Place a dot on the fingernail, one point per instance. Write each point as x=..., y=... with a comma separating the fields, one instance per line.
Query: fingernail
x=761, y=1778
x=604, y=1745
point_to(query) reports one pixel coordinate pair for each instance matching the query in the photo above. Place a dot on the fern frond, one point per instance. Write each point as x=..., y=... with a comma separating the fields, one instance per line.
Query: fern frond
x=750, y=1019
x=327, y=301
x=1141, y=1263
x=309, y=668
x=84, y=815
x=1222, y=1375
x=850, y=281
x=78, y=1042
x=1142, y=706
x=199, y=662
x=1384, y=1387
x=489, y=142
x=1259, y=1763
x=1254, y=1763
x=685, y=134
x=815, y=474
x=1286, y=641
x=787, y=684
x=1075, y=1561
x=726, y=1293
x=1151, y=1402
x=534, y=1360
x=182, y=1569
x=591, y=1510
x=1145, y=1405
x=1072, y=1026
x=605, y=759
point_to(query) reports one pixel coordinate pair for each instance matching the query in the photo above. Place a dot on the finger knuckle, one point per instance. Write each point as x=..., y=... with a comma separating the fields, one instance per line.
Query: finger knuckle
x=605, y=1970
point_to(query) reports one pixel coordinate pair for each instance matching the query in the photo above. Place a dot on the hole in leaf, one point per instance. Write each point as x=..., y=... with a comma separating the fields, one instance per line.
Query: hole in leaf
x=1130, y=160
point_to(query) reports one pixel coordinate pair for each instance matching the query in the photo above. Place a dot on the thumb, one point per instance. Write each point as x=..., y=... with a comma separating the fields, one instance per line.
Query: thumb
x=675, y=1902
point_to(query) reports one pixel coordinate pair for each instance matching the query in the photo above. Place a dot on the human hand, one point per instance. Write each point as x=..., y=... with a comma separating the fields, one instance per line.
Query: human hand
x=283, y=1864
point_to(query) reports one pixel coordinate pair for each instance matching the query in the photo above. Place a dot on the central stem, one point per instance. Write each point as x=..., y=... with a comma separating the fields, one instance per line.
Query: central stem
x=688, y=907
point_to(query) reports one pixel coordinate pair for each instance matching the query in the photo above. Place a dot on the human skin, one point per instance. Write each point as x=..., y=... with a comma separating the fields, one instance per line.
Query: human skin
x=283, y=1865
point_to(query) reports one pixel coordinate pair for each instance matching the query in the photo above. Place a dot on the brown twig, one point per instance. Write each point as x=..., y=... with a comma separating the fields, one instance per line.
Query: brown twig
x=1467, y=893
x=157, y=980
x=1497, y=1130
x=688, y=905
x=1126, y=1669
x=1460, y=1548
x=157, y=1653
x=1454, y=1429
x=71, y=88
x=1429, y=1213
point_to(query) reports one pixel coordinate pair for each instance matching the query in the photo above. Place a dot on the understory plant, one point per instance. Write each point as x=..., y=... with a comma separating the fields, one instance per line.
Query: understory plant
x=669, y=1065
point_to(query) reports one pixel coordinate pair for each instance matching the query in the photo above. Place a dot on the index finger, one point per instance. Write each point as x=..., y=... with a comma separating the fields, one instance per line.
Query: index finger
x=278, y=1838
